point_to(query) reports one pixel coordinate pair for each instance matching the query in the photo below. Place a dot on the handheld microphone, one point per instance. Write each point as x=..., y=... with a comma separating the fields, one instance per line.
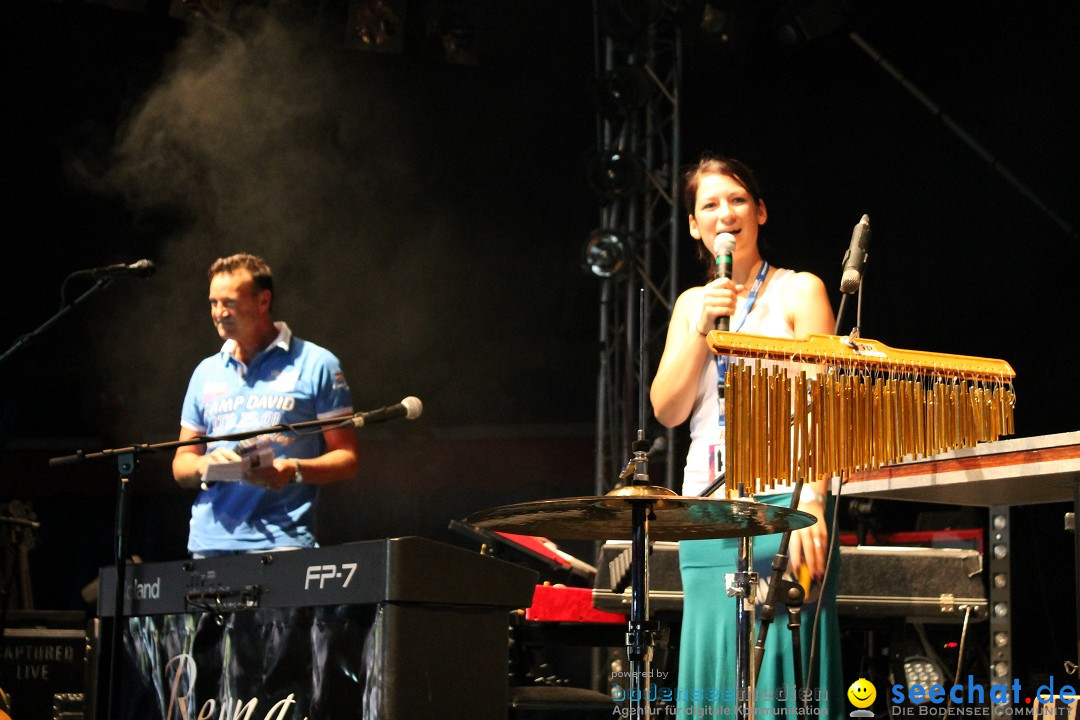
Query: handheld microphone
x=139, y=268
x=723, y=247
x=856, y=256
x=409, y=408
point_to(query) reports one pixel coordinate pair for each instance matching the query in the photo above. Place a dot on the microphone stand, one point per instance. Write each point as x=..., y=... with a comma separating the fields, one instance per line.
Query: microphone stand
x=126, y=463
x=858, y=313
x=840, y=313
x=102, y=282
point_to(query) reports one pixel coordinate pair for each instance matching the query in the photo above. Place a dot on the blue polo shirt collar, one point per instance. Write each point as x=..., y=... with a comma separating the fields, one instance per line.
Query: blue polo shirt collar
x=283, y=341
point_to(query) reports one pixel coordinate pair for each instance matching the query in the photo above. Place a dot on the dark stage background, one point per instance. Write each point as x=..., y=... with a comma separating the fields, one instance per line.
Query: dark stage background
x=426, y=219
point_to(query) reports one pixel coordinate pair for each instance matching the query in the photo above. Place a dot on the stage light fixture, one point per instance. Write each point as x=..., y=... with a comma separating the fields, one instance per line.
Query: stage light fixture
x=800, y=22
x=376, y=25
x=607, y=253
x=921, y=670
x=629, y=19
x=452, y=37
x=616, y=173
x=714, y=19
x=724, y=25
x=620, y=91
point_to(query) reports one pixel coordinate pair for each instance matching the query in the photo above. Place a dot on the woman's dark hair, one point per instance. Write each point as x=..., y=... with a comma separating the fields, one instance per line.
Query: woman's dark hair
x=711, y=164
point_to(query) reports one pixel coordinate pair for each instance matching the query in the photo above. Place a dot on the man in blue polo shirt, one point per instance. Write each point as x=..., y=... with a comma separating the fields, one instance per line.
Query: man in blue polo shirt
x=263, y=376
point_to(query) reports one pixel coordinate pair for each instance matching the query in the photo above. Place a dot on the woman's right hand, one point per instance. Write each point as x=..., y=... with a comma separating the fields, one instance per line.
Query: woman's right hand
x=719, y=299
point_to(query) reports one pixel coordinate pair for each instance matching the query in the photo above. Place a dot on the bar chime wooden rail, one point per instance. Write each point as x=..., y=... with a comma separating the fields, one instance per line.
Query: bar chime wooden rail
x=860, y=405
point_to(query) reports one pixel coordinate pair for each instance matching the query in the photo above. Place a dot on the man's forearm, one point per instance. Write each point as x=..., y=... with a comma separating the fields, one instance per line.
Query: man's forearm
x=334, y=465
x=187, y=470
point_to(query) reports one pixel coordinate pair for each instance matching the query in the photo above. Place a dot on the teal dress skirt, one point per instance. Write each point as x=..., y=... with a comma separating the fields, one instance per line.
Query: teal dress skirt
x=707, y=669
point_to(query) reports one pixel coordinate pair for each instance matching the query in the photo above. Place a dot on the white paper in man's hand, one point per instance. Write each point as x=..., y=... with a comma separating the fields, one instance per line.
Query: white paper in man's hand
x=254, y=453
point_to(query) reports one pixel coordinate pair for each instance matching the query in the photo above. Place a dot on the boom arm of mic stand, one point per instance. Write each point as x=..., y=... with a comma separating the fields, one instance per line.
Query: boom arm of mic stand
x=80, y=456
x=26, y=339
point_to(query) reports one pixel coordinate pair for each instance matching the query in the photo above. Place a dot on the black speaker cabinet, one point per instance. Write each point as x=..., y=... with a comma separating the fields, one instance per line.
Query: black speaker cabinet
x=43, y=664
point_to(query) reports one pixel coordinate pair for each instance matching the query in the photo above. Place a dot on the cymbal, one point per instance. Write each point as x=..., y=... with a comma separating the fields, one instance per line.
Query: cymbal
x=609, y=517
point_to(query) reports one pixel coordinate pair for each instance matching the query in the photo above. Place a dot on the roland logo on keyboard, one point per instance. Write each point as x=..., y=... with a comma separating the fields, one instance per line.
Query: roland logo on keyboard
x=319, y=576
x=143, y=591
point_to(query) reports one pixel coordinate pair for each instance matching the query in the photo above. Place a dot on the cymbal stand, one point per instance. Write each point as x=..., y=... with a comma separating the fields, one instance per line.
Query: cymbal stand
x=742, y=585
x=793, y=600
x=641, y=632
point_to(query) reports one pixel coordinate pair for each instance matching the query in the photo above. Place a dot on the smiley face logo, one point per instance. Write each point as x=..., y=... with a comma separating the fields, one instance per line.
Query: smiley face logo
x=862, y=693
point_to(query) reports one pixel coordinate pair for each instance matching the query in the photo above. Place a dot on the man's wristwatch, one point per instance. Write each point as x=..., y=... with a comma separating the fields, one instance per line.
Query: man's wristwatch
x=298, y=478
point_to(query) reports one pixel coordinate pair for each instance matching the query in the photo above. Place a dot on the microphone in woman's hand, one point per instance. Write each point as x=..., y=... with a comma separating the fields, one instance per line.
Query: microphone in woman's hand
x=723, y=247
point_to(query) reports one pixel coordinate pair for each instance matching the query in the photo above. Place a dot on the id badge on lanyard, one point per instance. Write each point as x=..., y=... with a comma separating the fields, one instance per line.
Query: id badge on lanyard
x=716, y=452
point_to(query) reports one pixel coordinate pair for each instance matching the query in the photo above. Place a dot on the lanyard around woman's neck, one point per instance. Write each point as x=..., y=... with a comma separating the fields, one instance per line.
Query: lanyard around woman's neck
x=722, y=361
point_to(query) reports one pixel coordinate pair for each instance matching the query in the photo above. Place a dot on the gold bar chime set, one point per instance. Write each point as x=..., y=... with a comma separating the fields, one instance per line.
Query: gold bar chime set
x=863, y=405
